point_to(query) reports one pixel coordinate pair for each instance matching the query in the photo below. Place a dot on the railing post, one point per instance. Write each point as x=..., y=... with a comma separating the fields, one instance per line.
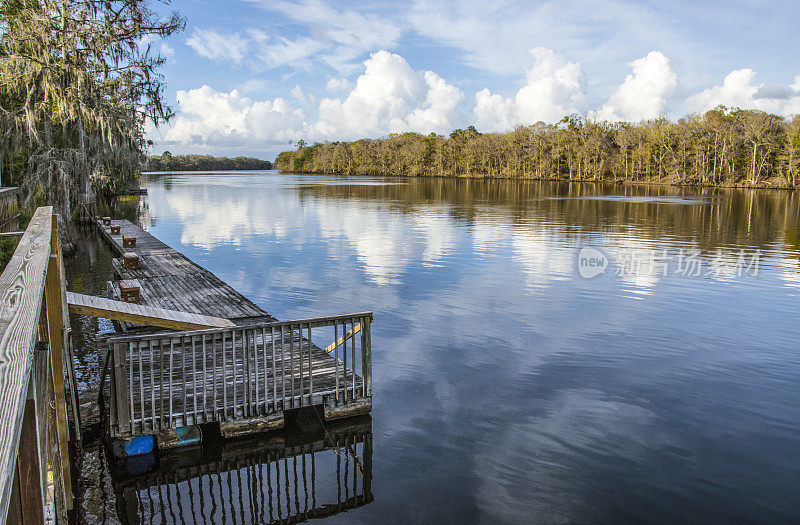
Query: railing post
x=121, y=387
x=336, y=358
x=56, y=338
x=43, y=391
x=310, y=368
x=112, y=411
x=366, y=355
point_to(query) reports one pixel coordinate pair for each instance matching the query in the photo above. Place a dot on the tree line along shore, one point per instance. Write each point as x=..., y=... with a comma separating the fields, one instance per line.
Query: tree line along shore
x=722, y=147
x=169, y=162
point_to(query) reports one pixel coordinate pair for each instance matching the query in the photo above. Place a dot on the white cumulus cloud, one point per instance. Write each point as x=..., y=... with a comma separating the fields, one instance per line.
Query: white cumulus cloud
x=209, y=117
x=212, y=44
x=645, y=93
x=554, y=87
x=493, y=112
x=739, y=89
x=390, y=97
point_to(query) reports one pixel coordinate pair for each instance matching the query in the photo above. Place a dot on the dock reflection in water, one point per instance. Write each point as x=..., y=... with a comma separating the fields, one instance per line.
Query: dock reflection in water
x=267, y=478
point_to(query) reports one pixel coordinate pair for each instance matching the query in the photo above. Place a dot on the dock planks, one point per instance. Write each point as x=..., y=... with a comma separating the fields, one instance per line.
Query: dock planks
x=172, y=281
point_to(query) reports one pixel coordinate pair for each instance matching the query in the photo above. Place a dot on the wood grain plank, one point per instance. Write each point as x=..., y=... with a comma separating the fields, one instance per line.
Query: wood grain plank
x=136, y=313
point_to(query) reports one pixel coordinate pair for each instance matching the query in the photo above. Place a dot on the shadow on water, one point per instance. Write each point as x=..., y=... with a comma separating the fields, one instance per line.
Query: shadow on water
x=278, y=477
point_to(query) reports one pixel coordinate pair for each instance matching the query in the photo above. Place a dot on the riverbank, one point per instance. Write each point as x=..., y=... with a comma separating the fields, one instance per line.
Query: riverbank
x=169, y=162
x=779, y=184
x=723, y=147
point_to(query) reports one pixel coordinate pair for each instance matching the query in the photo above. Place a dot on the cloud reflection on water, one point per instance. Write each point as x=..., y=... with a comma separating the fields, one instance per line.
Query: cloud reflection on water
x=521, y=387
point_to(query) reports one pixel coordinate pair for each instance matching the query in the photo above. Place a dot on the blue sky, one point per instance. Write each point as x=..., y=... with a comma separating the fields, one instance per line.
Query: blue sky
x=253, y=77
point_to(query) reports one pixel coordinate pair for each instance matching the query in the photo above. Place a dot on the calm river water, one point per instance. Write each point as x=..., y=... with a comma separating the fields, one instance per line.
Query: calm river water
x=658, y=382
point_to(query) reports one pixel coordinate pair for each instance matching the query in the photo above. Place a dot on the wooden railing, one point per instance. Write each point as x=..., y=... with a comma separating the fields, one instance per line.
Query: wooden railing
x=34, y=436
x=167, y=380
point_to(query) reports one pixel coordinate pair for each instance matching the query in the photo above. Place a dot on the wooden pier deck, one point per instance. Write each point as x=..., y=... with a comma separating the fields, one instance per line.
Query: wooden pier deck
x=243, y=377
x=170, y=280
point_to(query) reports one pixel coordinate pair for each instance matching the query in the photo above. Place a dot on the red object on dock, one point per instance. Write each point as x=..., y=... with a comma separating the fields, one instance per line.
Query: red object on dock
x=128, y=241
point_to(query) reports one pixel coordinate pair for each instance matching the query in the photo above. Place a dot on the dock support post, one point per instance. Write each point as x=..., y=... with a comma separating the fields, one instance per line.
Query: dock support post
x=120, y=386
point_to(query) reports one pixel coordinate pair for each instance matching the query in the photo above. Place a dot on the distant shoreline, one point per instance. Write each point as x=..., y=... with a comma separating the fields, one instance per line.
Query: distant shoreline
x=167, y=172
x=167, y=162
x=763, y=185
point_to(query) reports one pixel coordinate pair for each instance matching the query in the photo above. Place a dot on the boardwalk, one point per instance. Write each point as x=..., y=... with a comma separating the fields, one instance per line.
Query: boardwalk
x=241, y=377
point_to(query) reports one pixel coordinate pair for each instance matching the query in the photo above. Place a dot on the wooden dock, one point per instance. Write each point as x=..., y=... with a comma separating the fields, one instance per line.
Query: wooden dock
x=171, y=281
x=242, y=377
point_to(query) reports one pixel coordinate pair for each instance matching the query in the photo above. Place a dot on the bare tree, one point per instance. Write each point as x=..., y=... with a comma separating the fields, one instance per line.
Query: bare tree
x=762, y=131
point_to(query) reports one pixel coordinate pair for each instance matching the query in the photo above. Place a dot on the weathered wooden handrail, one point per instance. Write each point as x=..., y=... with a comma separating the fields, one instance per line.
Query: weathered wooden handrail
x=31, y=311
x=313, y=321
x=138, y=313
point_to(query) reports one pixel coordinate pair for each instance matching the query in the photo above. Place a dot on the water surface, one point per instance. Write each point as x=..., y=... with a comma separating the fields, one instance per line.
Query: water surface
x=507, y=387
